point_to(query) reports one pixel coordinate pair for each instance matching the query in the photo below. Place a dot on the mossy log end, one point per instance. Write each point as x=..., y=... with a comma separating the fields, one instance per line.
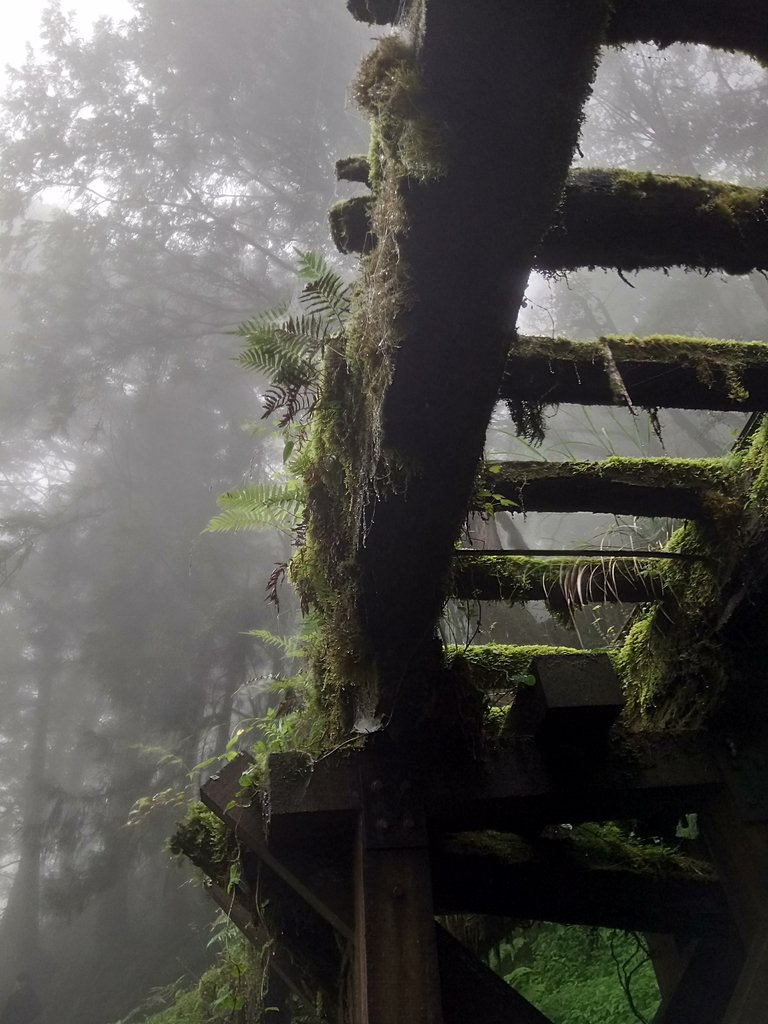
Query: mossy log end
x=501, y=667
x=350, y=225
x=375, y=12
x=354, y=168
x=632, y=220
x=676, y=488
x=742, y=26
x=561, y=582
x=656, y=372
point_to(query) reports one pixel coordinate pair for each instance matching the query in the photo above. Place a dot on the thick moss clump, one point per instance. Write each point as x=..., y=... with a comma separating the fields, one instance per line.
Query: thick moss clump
x=207, y=842
x=682, y=662
x=500, y=666
x=375, y=12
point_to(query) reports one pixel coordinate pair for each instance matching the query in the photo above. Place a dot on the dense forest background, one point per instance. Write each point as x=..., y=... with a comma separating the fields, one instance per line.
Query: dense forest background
x=156, y=180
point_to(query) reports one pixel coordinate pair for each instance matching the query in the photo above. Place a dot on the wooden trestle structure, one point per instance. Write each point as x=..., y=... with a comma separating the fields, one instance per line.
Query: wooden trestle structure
x=348, y=858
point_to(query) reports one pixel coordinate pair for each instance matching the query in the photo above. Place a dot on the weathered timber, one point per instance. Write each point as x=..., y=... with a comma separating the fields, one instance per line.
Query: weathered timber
x=554, y=880
x=222, y=795
x=570, y=707
x=749, y=1002
x=743, y=26
x=472, y=992
x=280, y=962
x=517, y=790
x=396, y=974
x=657, y=372
x=484, y=57
x=632, y=220
x=626, y=220
x=704, y=988
x=675, y=488
x=562, y=583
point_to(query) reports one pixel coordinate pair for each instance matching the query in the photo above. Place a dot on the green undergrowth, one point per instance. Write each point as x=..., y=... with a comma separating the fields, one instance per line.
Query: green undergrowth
x=208, y=843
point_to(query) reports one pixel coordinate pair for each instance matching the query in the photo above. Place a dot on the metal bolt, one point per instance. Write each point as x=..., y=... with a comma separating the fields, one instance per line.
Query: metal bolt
x=398, y=892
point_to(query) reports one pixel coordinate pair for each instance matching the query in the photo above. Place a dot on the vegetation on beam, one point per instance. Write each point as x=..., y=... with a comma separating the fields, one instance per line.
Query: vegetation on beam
x=686, y=660
x=354, y=168
x=634, y=220
x=680, y=488
x=376, y=12
x=743, y=27
x=562, y=583
x=500, y=667
x=661, y=371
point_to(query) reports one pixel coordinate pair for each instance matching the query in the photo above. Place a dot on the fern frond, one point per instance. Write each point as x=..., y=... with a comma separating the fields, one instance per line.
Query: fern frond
x=310, y=265
x=276, y=505
x=328, y=296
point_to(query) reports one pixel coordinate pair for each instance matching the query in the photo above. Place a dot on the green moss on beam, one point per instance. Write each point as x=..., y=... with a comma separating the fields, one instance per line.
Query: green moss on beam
x=207, y=842
x=375, y=12
x=632, y=220
x=501, y=666
x=660, y=371
x=560, y=582
x=354, y=168
x=680, y=488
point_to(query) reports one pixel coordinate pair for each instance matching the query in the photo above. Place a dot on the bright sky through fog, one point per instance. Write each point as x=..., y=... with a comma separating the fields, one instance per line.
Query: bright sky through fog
x=20, y=22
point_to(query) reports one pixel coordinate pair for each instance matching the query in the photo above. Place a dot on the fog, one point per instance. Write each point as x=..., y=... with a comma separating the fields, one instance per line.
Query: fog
x=156, y=181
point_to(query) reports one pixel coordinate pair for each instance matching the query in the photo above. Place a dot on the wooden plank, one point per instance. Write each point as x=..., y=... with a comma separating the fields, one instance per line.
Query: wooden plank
x=676, y=488
x=749, y=1002
x=518, y=790
x=280, y=962
x=396, y=971
x=705, y=985
x=668, y=375
x=472, y=992
x=561, y=582
x=543, y=881
x=221, y=795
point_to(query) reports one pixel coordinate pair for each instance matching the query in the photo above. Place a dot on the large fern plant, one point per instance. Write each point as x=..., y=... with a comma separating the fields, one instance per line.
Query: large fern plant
x=287, y=345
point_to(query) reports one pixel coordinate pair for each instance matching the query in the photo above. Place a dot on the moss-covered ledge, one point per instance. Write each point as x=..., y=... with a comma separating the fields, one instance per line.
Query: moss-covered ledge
x=741, y=26
x=677, y=488
x=634, y=220
x=563, y=583
x=501, y=667
x=659, y=371
x=628, y=220
x=685, y=662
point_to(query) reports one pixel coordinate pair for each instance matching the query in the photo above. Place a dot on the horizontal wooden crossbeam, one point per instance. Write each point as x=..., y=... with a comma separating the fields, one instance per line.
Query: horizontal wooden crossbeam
x=552, y=880
x=561, y=582
x=678, y=488
x=655, y=372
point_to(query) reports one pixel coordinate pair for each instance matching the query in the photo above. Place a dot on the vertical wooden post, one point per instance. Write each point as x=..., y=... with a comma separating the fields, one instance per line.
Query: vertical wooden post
x=396, y=975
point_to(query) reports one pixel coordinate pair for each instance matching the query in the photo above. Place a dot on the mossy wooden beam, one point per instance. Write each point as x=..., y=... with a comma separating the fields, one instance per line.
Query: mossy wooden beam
x=478, y=128
x=741, y=26
x=490, y=873
x=354, y=168
x=500, y=667
x=632, y=220
x=656, y=372
x=562, y=583
x=626, y=220
x=678, y=488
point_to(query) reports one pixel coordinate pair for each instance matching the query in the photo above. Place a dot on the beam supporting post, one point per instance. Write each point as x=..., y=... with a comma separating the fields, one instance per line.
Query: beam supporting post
x=396, y=974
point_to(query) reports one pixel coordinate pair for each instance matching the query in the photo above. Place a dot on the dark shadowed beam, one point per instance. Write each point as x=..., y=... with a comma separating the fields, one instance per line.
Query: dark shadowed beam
x=657, y=372
x=561, y=582
x=517, y=789
x=677, y=488
x=547, y=880
x=742, y=25
x=711, y=967
x=506, y=83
